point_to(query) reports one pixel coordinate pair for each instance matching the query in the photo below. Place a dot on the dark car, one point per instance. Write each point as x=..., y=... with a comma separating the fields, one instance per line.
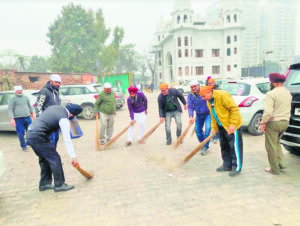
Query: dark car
x=291, y=137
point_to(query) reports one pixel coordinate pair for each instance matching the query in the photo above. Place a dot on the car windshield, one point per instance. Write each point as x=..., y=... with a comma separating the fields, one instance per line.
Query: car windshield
x=263, y=87
x=293, y=78
x=236, y=88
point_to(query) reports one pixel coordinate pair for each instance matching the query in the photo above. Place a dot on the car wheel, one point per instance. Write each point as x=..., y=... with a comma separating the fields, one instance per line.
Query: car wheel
x=88, y=112
x=291, y=149
x=254, y=126
x=181, y=91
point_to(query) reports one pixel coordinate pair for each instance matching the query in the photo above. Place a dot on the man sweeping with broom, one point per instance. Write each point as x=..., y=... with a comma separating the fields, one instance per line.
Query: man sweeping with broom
x=226, y=119
x=53, y=118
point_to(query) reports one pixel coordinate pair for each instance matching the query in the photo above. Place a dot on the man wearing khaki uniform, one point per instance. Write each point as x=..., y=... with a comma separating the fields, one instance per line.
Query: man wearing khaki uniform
x=275, y=121
x=106, y=106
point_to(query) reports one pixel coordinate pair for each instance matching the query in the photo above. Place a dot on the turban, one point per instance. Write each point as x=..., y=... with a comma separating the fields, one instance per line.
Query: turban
x=74, y=109
x=132, y=89
x=163, y=86
x=55, y=78
x=276, y=78
x=211, y=80
x=205, y=89
x=16, y=88
x=107, y=85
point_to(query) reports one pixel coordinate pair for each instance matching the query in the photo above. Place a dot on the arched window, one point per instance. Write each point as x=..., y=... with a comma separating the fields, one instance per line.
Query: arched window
x=228, y=18
x=185, y=19
x=180, y=71
x=179, y=53
x=228, y=40
x=235, y=18
x=186, y=71
x=178, y=19
x=186, y=53
x=228, y=52
x=179, y=41
x=186, y=41
x=235, y=50
x=235, y=38
x=228, y=68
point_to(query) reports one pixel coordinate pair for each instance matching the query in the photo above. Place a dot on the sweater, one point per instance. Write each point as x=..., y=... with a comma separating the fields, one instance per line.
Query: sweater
x=226, y=109
x=105, y=103
x=197, y=104
x=137, y=105
x=19, y=106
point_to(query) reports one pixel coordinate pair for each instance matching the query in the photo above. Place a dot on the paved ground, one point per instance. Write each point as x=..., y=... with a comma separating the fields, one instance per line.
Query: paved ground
x=138, y=185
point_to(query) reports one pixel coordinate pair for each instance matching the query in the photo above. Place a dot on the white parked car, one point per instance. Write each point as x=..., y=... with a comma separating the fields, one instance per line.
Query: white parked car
x=185, y=88
x=249, y=95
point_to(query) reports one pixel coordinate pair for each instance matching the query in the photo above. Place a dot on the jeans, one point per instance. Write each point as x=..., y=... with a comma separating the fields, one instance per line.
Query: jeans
x=22, y=126
x=200, y=121
x=169, y=116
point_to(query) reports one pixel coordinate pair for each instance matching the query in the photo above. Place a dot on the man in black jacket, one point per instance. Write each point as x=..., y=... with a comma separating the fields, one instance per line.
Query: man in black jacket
x=169, y=107
x=49, y=96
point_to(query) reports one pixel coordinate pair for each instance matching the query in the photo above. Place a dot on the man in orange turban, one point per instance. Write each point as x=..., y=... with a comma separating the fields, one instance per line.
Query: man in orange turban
x=227, y=120
x=169, y=107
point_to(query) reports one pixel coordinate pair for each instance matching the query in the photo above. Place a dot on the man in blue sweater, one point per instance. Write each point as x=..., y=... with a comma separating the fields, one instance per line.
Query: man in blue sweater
x=197, y=104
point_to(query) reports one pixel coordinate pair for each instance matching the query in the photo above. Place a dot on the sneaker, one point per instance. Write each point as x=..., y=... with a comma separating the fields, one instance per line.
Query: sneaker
x=128, y=143
x=24, y=149
x=204, y=151
x=233, y=173
x=64, y=187
x=223, y=169
x=169, y=142
x=46, y=187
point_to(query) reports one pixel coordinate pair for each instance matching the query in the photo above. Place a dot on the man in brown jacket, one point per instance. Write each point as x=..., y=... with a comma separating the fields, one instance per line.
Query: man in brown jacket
x=226, y=119
x=275, y=121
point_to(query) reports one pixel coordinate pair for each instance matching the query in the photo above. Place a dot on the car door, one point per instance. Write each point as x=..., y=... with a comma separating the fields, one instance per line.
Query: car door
x=4, y=119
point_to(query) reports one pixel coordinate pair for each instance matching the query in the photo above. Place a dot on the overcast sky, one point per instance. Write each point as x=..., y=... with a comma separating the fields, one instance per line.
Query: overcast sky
x=24, y=23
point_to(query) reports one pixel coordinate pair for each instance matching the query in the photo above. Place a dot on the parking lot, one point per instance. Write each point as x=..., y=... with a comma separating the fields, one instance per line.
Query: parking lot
x=142, y=185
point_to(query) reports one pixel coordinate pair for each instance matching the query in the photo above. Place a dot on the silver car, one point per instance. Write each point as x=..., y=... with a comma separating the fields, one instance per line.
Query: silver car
x=5, y=96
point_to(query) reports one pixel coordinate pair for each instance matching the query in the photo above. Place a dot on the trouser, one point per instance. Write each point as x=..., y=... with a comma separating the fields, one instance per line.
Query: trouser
x=200, y=121
x=21, y=127
x=273, y=134
x=169, y=116
x=231, y=148
x=106, y=126
x=141, y=119
x=49, y=160
x=54, y=137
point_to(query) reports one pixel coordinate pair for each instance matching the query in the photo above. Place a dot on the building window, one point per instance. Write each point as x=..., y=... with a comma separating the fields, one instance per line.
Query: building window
x=228, y=67
x=185, y=18
x=186, y=41
x=180, y=71
x=235, y=18
x=228, y=52
x=228, y=19
x=199, y=70
x=228, y=40
x=216, y=69
x=33, y=79
x=179, y=41
x=215, y=52
x=235, y=66
x=235, y=38
x=186, y=71
x=160, y=75
x=178, y=19
x=179, y=53
x=199, y=53
x=235, y=50
x=159, y=62
x=186, y=53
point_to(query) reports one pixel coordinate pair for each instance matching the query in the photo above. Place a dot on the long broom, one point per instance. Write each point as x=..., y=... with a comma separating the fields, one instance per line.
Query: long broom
x=196, y=149
x=86, y=174
x=150, y=132
x=116, y=137
x=98, y=144
x=193, y=131
x=180, y=139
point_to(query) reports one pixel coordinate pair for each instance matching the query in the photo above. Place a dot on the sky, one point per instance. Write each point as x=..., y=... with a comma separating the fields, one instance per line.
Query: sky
x=24, y=23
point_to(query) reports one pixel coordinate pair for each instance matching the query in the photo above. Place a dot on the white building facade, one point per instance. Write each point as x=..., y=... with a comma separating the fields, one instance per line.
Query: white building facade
x=188, y=49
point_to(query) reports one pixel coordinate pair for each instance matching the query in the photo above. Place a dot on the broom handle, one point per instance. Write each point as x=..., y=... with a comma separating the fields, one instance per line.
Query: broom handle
x=178, y=142
x=150, y=132
x=98, y=144
x=196, y=149
x=116, y=137
x=84, y=173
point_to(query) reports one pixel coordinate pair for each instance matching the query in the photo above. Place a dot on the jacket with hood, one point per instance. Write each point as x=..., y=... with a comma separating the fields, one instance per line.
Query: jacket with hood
x=48, y=96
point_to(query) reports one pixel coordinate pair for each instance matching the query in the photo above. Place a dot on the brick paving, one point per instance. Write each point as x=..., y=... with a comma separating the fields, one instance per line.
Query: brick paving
x=140, y=184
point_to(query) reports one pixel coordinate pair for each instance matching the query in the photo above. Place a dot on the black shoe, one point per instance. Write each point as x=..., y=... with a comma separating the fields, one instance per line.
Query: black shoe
x=128, y=143
x=64, y=187
x=233, y=173
x=169, y=142
x=46, y=187
x=223, y=169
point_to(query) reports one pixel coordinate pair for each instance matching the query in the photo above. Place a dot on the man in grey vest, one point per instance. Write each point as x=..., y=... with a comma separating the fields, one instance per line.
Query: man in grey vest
x=52, y=119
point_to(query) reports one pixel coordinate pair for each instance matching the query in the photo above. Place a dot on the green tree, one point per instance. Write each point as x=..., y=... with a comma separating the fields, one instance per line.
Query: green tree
x=38, y=64
x=77, y=37
x=128, y=59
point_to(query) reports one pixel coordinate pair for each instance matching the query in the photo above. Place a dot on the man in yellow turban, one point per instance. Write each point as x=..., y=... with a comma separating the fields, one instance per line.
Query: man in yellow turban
x=227, y=120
